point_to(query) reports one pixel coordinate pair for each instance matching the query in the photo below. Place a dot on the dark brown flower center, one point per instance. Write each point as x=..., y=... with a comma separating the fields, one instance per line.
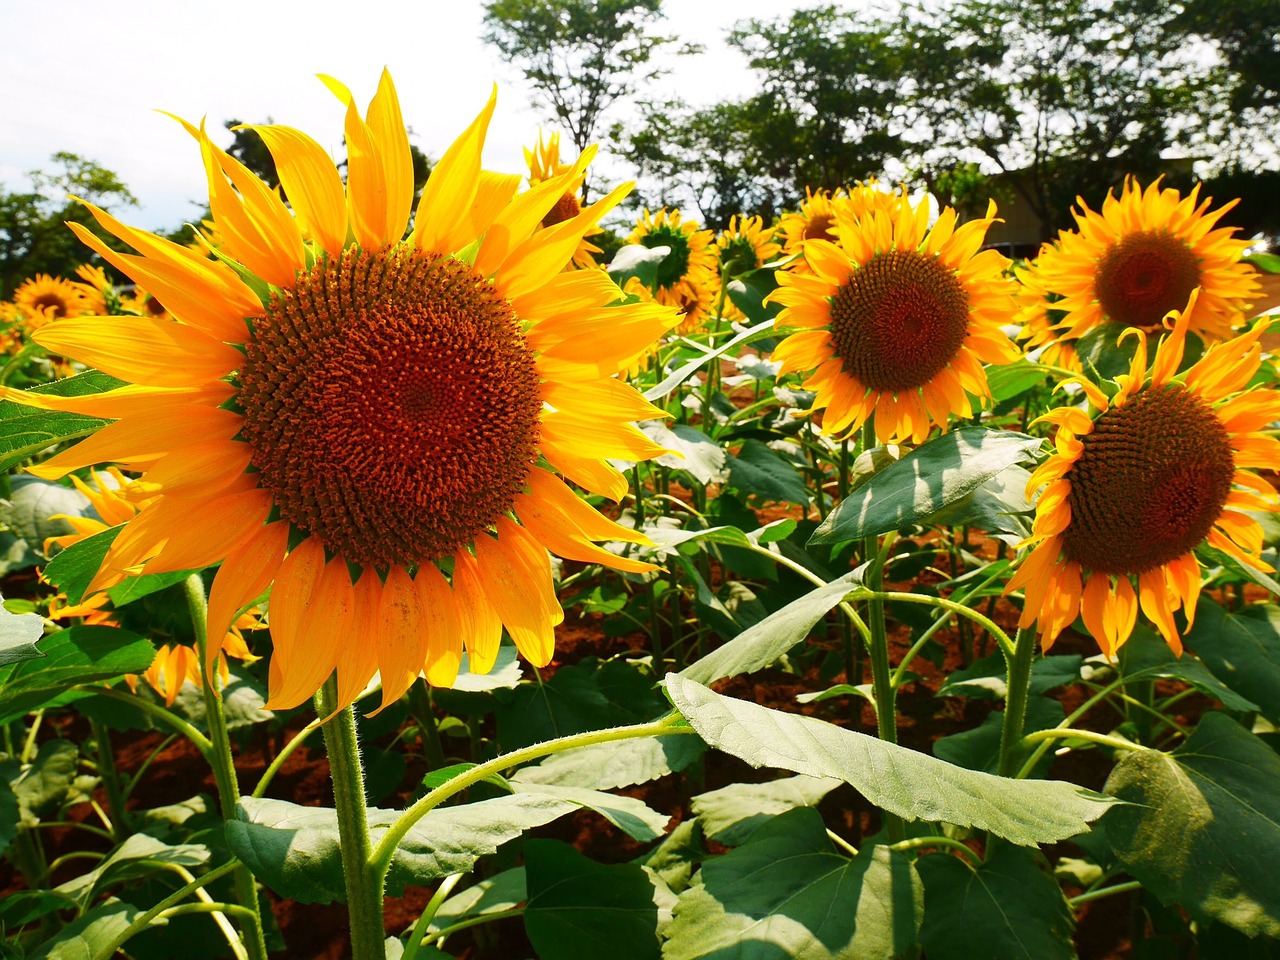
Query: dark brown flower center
x=898, y=320
x=821, y=227
x=1143, y=276
x=52, y=302
x=392, y=405
x=566, y=208
x=1152, y=479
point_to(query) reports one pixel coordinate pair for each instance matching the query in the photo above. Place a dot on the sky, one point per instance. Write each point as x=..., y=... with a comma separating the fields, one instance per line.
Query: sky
x=91, y=75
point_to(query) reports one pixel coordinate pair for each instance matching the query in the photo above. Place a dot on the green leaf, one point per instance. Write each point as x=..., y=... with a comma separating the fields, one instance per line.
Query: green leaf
x=1147, y=657
x=731, y=814
x=999, y=507
x=633, y=817
x=505, y=673
x=438, y=778
x=685, y=371
x=72, y=570
x=1242, y=650
x=494, y=895
x=1266, y=262
x=935, y=474
x=902, y=781
x=9, y=817
x=608, y=766
x=81, y=654
x=986, y=678
x=579, y=908
x=21, y=907
x=18, y=635
x=1203, y=827
x=130, y=859
x=1008, y=908
x=25, y=431
x=1008, y=380
x=978, y=748
x=748, y=292
x=244, y=701
x=43, y=784
x=637, y=260
x=691, y=450
x=33, y=503
x=787, y=894
x=760, y=645
x=758, y=470
x=88, y=937
x=294, y=850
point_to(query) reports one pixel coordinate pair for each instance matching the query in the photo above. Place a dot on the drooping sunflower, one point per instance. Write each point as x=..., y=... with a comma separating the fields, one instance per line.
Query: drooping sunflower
x=1132, y=263
x=1131, y=490
x=544, y=164
x=374, y=426
x=687, y=278
x=175, y=663
x=897, y=320
x=44, y=298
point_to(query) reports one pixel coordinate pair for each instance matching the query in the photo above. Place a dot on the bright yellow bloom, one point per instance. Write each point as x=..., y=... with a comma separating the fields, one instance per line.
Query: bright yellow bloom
x=44, y=298
x=1131, y=490
x=1132, y=263
x=745, y=246
x=896, y=320
x=544, y=164
x=380, y=438
x=687, y=278
x=816, y=218
x=175, y=663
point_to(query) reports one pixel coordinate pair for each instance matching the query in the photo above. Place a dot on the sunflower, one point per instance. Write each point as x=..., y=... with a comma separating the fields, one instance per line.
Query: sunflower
x=175, y=663
x=1131, y=490
x=687, y=278
x=1133, y=263
x=896, y=320
x=44, y=298
x=544, y=164
x=374, y=426
x=816, y=218
x=745, y=246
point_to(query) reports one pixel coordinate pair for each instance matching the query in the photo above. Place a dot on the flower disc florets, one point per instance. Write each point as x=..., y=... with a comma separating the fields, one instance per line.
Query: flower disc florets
x=1145, y=275
x=391, y=404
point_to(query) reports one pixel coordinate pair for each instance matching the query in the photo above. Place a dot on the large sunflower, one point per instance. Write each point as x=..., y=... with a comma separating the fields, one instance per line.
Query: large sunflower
x=544, y=163
x=687, y=277
x=897, y=320
x=1133, y=263
x=374, y=426
x=1131, y=490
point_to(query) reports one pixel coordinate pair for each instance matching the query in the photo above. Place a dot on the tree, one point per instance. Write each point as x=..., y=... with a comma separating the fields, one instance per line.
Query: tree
x=33, y=234
x=579, y=56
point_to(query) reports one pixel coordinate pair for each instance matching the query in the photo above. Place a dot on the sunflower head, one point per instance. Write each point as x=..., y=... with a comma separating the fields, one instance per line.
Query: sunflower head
x=745, y=246
x=1141, y=480
x=1131, y=264
x=896, y=320
x=544, y=164
x=44, y=298
x=378, y=424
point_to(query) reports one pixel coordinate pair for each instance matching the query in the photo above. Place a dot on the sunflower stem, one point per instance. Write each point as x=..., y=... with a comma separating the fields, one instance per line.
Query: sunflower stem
x=111, y=782
x=1015, y=704
x=365, y=887
x=224, y=769
x=883, y=690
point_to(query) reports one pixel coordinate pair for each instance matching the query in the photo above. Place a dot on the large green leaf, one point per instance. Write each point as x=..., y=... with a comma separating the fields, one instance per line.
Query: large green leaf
x=998, y=507
x=910, y=784
x=762, y=644
x=19, y=633
x=25, y=431
x=131, y=858
x=1203, y=827
x=498, y=893
x=294, y=850
x=44, y=783
x=32, y=505
x=787, y=894
x=1242, y=650
x=8, y=816
x=935, y=474
x=81, y=654
x=72, y=570
x=731, y=814
x=608, y=766
x=748, y=293
x=579, y=908
x=632, y=816
x=1008, y=908
x=637, y=260
x=89, y=936
x=691, y=450
x=1147, y=657
x=757, y=469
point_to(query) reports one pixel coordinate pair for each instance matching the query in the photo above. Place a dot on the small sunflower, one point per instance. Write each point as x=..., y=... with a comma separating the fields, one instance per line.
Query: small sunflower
x=896, y=320
x=544, y=164
x=44, y=298
x=745, y=246
x=687, y=278
x=1130, y=491
x=816, y=218
x=372, y=425
x=175, y=663
x=1132, y=264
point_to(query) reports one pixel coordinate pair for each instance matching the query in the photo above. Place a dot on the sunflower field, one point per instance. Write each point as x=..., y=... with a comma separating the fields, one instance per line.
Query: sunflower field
x=470, y=578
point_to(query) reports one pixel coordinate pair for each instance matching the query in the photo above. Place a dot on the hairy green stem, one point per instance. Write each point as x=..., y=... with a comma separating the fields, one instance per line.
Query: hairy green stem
x=223, y=762
x=156, y=712
x=1045, y=745
x=285, y=752
x=365, y=887
x=1017, y=690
